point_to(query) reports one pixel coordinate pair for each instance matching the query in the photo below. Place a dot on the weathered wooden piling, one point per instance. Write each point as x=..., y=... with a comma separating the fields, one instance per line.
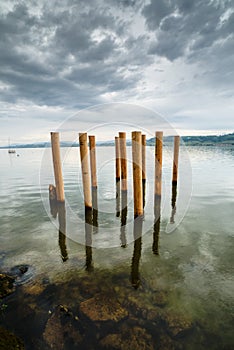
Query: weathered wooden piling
x=175, y=159
x=143, y=141
x=117, y=160
x=55, y=144
x=117, y=175
x=158, y=189
x=158, y=164
x=123, y=160
x=93, y=168
x=85, y=170
x=137, y=173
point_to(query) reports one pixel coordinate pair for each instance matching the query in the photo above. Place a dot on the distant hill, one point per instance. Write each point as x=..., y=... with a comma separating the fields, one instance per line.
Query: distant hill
x=211, y=140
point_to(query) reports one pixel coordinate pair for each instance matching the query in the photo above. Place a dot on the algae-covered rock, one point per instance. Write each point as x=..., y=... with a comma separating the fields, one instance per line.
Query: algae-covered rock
x=166, y=343
x=8, y=341
x=178, y=325
x=103, y=308
x=6, y=285
x=60, y=329
x=53, y=334
x=160, y=298
x=135, y=338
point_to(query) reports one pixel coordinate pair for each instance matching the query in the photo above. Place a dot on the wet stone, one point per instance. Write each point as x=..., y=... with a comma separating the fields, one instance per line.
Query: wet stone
x=6, y=285
x=60, y=329
x=135, y=338
x=103, y=308
x=9, y=341
x=166, y=343
x=160, y=298
x=178, y=325
x=53, y=334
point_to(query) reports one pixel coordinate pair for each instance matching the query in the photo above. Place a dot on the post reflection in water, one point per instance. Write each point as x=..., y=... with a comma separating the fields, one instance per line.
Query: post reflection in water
x=143, y=191
x=124, y=212
x=137, y=232
x=95, y=209
x=88, y=238
x=53, y=201
x=173, y=203
x=117, y=198
x=157, y=218
x=62, y=230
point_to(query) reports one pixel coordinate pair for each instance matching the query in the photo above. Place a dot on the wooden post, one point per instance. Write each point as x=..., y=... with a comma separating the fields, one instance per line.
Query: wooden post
x=117, y=174
x=137, y=173
x=143, y=140
x=92, y=149
x=93, y=167
x=85, y=170
x=175, y=159
x=57, y=166
x=123, y=159
x=158, y=164
x=117, y=160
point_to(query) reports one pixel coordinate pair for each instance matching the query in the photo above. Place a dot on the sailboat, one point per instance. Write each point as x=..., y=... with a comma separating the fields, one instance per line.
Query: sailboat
x=10, y=150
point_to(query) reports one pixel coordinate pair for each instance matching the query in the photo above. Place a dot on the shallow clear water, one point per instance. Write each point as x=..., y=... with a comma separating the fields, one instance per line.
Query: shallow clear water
x=194, y=267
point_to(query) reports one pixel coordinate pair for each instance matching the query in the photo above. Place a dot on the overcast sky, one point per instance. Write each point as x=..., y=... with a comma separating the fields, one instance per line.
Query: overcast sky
x=175, y=57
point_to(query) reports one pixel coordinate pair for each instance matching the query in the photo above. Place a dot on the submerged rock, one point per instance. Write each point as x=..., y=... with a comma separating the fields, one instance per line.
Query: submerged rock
x=103, y=308
x=6, y=285
x=135, y=338
x=9, y=341
x=166, y=343
x=178, y=325
x=53, y=334
x=59, y=329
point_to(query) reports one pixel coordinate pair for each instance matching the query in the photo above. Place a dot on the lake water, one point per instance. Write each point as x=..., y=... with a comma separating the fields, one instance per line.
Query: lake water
x=185, y=293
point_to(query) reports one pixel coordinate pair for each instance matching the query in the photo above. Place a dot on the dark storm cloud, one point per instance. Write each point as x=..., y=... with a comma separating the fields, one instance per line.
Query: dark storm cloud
x=184, y=27
x=70, y=53
x=50, y=56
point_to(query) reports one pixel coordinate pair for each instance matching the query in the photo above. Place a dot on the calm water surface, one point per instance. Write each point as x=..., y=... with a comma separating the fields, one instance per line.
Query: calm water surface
x=193, y=270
